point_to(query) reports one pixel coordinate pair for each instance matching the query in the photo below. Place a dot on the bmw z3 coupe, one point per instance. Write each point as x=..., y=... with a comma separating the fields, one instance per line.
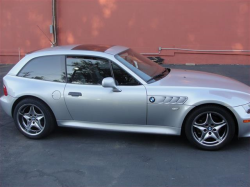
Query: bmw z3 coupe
x=115, y=88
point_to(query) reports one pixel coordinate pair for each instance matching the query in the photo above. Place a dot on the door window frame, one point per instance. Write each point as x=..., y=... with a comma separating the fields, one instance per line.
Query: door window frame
x=110, y=67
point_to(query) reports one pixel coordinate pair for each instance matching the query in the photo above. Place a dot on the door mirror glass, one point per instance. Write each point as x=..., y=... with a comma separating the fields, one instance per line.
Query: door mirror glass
x=109, y=82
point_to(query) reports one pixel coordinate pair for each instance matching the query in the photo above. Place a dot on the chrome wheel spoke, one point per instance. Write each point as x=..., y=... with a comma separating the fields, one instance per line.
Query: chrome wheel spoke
x=26, y=116
x=200, y=124
x=39, y=117
x=201, y=128
x=209, y=119
x=38, y=125
x=219, y=123
x=28, y=126
x=218, y=127
x=216, y=136
x=204, y=137
x=32, y=110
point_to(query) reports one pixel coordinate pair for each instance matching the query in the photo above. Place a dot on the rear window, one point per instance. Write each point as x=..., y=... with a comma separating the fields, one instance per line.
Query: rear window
x=47, y=68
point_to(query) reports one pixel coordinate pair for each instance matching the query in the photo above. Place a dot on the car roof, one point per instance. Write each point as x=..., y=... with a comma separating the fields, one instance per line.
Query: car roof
x=99, y=48
x=113, y=50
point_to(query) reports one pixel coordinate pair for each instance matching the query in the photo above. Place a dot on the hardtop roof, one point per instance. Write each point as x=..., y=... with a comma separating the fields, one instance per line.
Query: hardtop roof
x=85, y=47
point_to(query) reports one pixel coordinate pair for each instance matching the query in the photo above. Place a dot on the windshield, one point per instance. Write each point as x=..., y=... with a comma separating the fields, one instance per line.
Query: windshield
x=142, y=66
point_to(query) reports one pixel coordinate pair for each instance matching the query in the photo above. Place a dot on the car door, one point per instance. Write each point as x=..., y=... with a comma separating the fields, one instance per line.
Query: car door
x=88, y=101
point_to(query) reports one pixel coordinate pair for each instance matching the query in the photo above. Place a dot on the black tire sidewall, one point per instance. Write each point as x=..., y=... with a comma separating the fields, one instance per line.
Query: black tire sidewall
x=50, y=121
x=221, y=111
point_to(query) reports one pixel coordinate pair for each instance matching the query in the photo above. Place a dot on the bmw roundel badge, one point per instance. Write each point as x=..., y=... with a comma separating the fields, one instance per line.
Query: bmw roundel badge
x=151, y=99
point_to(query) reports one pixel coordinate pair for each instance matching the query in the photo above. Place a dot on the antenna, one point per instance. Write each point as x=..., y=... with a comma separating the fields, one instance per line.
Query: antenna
x=46, y=36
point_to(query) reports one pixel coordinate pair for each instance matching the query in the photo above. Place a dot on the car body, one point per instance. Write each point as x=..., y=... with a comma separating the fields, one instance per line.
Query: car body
x=115, y=88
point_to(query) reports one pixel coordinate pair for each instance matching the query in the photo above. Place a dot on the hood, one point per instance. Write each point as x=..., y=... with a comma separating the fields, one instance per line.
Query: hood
x=188, y=78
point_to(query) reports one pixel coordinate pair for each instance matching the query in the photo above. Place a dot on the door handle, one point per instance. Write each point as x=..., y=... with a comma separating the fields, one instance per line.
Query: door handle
x=75, y=94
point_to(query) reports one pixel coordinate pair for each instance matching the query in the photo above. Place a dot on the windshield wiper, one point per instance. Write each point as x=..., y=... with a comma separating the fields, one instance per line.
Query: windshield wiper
x=157, y=76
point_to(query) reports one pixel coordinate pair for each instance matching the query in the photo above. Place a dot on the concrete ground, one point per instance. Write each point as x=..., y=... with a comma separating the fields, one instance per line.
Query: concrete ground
x=73, y=157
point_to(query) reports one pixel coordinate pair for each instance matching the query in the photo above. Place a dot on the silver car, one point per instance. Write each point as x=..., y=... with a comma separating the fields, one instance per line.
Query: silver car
x=115, y=88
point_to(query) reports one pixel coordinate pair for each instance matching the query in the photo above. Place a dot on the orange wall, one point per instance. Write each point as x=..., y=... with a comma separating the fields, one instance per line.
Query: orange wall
x=143, y=25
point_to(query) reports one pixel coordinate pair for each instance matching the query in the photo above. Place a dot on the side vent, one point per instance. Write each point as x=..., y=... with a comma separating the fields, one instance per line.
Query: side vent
x=160, y=99
x=175, y=100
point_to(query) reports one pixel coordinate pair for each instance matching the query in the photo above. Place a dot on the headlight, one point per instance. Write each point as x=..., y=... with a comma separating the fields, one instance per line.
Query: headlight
x=247, y=108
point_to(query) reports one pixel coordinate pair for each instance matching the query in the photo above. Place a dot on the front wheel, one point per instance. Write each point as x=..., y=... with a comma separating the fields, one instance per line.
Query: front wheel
x=210, y=127
x=33, y=118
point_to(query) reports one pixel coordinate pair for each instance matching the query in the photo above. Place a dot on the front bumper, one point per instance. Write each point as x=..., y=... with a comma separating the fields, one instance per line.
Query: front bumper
x=7, y=103
x=243, y=128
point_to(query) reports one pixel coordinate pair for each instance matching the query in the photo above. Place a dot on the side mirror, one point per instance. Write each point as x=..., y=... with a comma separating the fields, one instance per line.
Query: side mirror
x=109, y=82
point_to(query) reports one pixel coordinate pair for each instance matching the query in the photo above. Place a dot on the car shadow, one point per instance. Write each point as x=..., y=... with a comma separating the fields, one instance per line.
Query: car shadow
x=142, y=139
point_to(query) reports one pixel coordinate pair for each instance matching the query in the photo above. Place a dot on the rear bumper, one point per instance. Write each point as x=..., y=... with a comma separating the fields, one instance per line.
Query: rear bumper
x=243, y=128
x=7, y=103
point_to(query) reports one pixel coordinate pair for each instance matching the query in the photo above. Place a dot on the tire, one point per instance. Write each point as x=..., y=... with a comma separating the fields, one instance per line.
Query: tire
x=210, y=127
x=33, y=118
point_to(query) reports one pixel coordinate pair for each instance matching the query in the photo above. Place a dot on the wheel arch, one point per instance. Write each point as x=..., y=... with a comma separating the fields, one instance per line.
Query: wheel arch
x=215, y=105
x=32, y=97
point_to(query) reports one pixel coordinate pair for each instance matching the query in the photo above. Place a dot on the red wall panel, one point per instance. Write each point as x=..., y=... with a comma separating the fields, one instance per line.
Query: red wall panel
x=141, y=24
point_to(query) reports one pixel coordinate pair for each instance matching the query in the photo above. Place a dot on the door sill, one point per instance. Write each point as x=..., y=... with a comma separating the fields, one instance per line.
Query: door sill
x=121, y=127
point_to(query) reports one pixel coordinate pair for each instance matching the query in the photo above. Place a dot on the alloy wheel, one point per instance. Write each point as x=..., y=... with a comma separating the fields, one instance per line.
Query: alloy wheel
x=209, y=128
x=31, y=119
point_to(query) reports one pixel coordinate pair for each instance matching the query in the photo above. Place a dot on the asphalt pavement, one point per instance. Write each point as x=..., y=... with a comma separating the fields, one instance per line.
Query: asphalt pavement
x=78, y=157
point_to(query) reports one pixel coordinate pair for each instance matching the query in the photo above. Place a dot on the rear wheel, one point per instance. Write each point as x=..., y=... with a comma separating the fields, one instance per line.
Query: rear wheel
x=210, y=127
x=33, y=118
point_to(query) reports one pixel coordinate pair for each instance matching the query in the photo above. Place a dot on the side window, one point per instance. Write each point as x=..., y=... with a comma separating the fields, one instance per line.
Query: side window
x=47, y=68
x=122, y=77
x=87, y=70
